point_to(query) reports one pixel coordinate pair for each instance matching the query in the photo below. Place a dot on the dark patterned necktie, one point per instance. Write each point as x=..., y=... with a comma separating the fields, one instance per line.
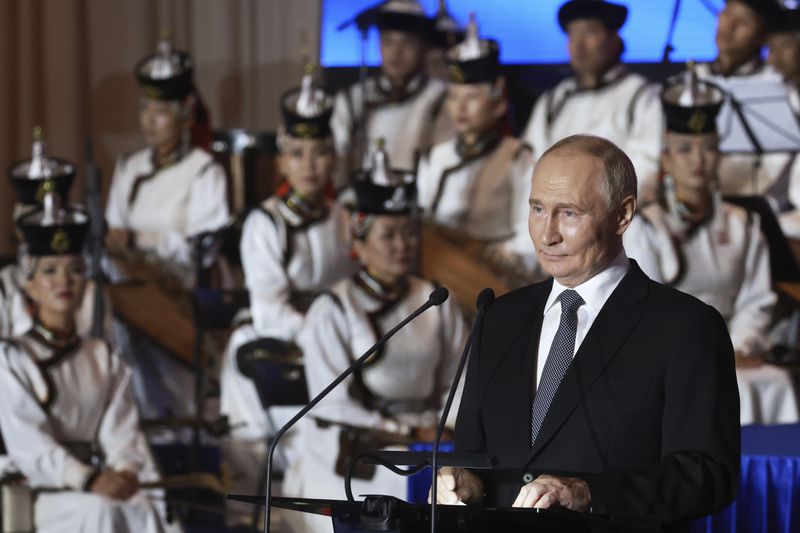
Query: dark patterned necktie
x=558, y=360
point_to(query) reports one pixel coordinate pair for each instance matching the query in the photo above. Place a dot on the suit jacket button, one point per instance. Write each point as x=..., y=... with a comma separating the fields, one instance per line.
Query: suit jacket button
x=527, y=477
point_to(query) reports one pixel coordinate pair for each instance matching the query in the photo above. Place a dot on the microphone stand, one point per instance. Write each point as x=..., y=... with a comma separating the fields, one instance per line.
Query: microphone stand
x=96, y=235
x=437, y=297
x=485, y=299
x=363, y=21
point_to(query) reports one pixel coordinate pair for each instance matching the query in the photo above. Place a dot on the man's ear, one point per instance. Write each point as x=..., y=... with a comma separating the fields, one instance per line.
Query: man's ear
x=358, y=248
x=501, y=102
x=625, y=212
x=30, y=290
x=189, y=104
x=666, y=164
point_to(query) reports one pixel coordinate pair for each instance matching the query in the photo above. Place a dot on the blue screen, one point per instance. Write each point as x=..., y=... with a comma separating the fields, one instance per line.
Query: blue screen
x=528, y=30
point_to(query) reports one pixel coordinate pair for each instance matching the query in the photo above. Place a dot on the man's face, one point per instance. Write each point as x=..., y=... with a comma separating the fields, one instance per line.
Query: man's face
x=473, y=108
x=573, y=230
x=402, y=55
x=784, y=54
x=592, y=47
x=740, y=32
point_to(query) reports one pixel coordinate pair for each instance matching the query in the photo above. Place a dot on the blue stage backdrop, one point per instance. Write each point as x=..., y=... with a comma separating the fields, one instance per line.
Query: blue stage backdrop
x=529, y=33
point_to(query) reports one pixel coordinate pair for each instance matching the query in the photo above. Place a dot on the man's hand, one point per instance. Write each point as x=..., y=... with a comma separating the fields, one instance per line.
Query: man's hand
x=550, y=491
x=118, y=239
x=457, y=485
x=115, y=485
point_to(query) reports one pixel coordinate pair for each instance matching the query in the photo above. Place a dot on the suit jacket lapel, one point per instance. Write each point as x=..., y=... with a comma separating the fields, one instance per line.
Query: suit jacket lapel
x=609, y=331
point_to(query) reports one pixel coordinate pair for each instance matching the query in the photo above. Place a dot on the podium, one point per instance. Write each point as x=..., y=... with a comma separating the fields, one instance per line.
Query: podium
x=388, y=514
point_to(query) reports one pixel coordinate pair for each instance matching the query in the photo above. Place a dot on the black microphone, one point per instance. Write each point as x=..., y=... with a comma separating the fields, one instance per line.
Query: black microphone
x=484, y=300
x=437, y=297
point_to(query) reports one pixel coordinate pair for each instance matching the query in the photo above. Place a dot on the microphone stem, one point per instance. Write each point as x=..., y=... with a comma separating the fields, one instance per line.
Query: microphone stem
x=445, y=413
x=318, y=398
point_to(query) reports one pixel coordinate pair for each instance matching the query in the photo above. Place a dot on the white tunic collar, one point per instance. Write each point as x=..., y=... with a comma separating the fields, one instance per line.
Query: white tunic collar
x=400, y=94
x=612, y=76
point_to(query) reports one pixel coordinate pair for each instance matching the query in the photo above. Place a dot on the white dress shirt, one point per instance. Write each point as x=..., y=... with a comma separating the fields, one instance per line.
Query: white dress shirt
x=594, y=291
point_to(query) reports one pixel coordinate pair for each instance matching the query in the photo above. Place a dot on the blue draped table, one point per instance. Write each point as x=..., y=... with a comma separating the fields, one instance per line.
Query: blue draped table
x=769, y=491
x=769, y=488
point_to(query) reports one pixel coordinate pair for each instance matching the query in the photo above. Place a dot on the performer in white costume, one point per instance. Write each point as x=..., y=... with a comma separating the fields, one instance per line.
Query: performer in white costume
x=173, y=189
x=31, y=180
x=160, y=197
x=784, y=57
x=69, y=421
x=477, y=181
x=403, y=104
x=293, y=246
x=398, y=393
x=712, y=249
x=741, y=34
x=602, y=98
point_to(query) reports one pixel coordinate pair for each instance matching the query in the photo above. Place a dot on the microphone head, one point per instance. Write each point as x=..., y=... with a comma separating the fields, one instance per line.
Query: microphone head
x=485, y=299
x=439, y=295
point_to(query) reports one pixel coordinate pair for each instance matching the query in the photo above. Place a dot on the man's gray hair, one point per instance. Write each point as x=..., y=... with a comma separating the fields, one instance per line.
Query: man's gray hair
x=619, y=180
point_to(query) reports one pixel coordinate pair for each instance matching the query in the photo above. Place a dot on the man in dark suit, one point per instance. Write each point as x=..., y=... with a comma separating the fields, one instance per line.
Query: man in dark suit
x=599, y=389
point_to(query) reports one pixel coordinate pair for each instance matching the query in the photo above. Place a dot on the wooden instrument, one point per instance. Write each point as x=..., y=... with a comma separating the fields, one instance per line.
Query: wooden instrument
x=155, y=305
x=791, y=289
x=198, y=480
x=464, y=266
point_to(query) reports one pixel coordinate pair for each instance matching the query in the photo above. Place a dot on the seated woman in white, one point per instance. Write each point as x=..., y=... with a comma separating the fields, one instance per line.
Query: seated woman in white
x=173, y=189
x=711, y=249
x=397, y=395
x=294, y=245
x=160, y=197
x=478, y=182
x=33, y=179
x=68, y=420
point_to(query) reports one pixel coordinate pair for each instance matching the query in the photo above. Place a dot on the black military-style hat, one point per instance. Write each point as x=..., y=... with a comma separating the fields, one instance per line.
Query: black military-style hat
x=32, y=178
x=612, y=15
x=382, y=190
x=447, y=32
x=784, y=21
x=691, y=105
x=54, y=230
x=407, y=16
x=307, y=111
x=374, y=199
x=167, y=74
x=766, y=9
x=474, y=60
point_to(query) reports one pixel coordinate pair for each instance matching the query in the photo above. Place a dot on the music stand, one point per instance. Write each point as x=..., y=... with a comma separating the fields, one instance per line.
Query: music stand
x=756, y=117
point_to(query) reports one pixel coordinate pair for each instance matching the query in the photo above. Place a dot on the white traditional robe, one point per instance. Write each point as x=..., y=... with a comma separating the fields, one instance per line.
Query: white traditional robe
x=625, y=109
x=166, y=206
x=724, y=263
x=411, y=376
x=479, y=192
x=287, y=258
x=55, y=397
x=410, y=122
